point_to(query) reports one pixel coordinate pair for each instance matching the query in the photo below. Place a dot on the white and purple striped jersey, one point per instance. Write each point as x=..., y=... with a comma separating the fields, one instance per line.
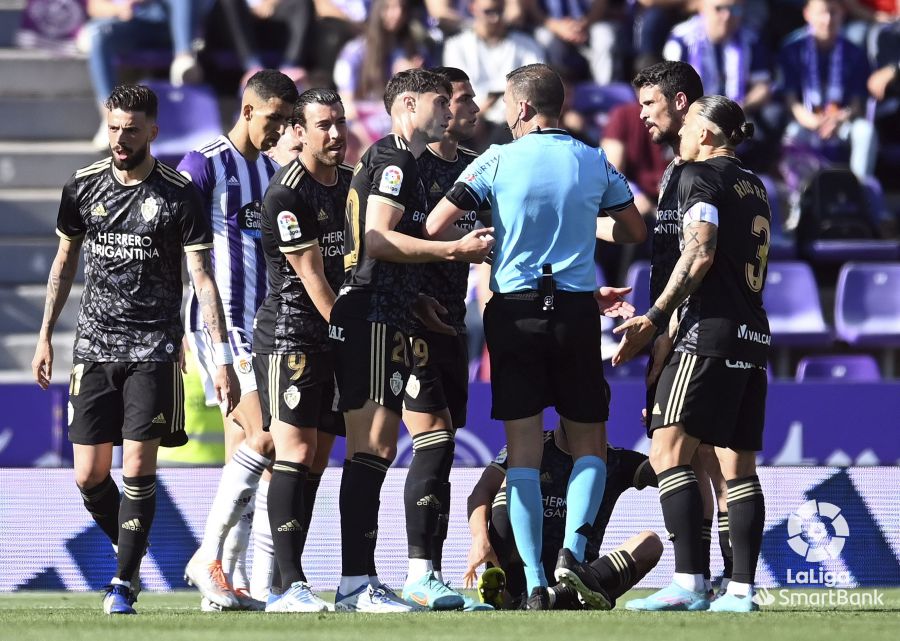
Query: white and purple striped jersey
x=232, y=190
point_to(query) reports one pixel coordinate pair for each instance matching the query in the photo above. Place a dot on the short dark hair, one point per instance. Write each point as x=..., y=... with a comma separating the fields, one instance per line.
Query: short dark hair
x=416, y=81
x=271, y=83
x=728, y=116
x=541, y=86
x=133, y=98
x=453, y=74
x=671, y=76
x=317, y=96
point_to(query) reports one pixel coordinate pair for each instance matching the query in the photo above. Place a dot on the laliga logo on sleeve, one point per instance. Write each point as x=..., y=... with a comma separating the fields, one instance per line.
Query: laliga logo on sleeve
x=391, y=180
x=817, y=531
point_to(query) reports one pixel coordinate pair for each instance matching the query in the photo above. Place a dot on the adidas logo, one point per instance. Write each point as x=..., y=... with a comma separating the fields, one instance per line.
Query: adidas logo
x=233, y=181
x=292, y=526
x=134, y=525
x=160, y=419
x=429, y=501
x=546, y=478
x=371, y=535
x=323, y=215
x=435, y=187
x=656, y=409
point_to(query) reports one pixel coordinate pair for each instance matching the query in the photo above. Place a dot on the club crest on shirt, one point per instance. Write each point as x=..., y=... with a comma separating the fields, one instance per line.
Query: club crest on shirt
x=396, y=383
x=288, y=227
x=413, y=386
x=149, y=208
x=244, y=366
x=391, y=180
x=291, y=396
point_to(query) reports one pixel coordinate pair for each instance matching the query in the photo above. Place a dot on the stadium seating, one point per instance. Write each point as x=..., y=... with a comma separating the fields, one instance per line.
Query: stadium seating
x=867, y=304
x=638, y=278
x=791, y=299
x=191, y=117
x=855, y=368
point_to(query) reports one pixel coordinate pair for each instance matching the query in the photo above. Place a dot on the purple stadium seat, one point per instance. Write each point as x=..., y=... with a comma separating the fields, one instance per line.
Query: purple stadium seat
x=867, y=305
x=589, y=98
x=791, y=299
x=638, y=279
x=188, y=118
x=857, y=368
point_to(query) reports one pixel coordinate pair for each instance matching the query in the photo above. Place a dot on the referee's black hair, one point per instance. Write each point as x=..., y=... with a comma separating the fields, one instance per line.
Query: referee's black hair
x=541, y=86
x=415, y=81
x=728, y=116
x=134, y=98
x=317, y=96
x=271, y=83
x=453, y=74
x=672, y=77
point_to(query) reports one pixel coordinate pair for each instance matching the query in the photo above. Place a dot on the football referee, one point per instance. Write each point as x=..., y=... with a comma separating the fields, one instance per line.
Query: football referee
x=542, y=324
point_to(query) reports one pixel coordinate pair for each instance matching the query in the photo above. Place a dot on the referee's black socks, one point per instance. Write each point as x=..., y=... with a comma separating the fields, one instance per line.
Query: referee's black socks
x=746, y=518
x=432, y=454
x=682, y=508
x=102, y=502
x=287, y=518
x=359, y=501
x=136, y=514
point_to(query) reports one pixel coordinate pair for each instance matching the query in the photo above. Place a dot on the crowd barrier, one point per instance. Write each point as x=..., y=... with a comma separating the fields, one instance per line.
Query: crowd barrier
x=825, y=527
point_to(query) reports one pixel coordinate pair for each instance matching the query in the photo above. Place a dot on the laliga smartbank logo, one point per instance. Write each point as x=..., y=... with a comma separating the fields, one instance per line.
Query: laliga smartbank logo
x=817, y=532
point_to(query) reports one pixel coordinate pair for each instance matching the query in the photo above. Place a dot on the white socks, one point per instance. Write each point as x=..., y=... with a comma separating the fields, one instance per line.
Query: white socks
x=692, y=582
x=238, y=483
x=263, y=549
x=418, y=568
x=350, y=584
x=739, y=589
x=234, y=550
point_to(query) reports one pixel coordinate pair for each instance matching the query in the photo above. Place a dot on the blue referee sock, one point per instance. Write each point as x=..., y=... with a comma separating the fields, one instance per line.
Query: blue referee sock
x=583, y=498
x=526, y=515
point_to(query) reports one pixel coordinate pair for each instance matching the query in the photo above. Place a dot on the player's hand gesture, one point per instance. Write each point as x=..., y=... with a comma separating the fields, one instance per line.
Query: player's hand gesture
x=228, y=388
x=42, y=363
x=612, y=304
x=636, y=333
x=474, y=246
x=480, y=553
x=429, y=312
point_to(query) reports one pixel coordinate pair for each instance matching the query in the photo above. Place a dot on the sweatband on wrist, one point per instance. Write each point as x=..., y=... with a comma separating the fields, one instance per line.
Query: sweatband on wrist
x=222, y=354
x=658, y=317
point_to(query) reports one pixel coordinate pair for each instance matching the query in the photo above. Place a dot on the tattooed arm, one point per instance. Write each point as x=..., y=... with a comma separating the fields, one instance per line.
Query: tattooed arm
x=213, y=314
x=697, y=257
x=59, y=284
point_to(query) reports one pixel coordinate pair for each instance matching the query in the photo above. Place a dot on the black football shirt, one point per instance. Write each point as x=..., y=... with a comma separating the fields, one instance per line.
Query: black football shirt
x=297, y=212
x=134, y=236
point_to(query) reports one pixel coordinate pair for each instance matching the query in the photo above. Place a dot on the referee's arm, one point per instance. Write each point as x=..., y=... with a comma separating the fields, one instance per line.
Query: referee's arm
x=622, y=226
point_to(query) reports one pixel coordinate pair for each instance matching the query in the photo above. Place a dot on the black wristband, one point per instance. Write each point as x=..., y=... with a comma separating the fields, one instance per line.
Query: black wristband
x=658, y=317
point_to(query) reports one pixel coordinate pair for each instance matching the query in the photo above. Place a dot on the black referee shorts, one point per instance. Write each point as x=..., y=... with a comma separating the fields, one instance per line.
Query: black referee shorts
x=719, y=401
x=541, y=359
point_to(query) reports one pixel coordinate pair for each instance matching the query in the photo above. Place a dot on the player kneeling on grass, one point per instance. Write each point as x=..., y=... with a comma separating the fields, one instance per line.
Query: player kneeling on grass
x=594, y=585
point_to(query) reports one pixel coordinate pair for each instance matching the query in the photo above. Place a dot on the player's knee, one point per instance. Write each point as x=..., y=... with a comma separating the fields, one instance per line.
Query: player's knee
x=89, y=479
x=261, y=443
x=648, y=552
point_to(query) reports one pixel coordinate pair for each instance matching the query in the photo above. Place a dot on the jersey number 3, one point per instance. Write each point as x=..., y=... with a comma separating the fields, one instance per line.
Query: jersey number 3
x=756, y=273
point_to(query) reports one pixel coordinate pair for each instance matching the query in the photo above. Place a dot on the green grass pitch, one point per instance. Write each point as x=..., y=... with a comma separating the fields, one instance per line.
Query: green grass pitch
x=176, y=616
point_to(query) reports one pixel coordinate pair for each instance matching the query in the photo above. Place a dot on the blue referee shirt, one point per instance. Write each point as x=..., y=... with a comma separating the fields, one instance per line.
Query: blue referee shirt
x=546, y=191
